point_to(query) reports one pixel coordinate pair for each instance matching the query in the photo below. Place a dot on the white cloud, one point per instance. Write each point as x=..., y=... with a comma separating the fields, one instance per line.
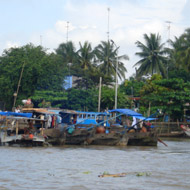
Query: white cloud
x=10, y=44
x=128, y=21
x=64, y=26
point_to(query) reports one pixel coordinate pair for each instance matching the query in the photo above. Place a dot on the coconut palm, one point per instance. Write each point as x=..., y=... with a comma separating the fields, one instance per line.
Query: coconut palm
x=172, y=52
x=107, y=58
x=67, y=51
x=152, y=54
x=85, y=56
x=183, y=52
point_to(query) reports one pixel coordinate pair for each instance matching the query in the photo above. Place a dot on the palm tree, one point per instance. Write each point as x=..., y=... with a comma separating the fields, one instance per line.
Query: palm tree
x=85, y=56
x=183, y=52
x=85, y=68
x=172, y=52
x=107, y=57
x=152, y=54
x=67, y=51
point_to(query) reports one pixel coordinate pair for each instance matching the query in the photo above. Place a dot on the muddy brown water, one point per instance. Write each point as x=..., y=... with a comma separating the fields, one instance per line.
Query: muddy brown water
x=78, y=168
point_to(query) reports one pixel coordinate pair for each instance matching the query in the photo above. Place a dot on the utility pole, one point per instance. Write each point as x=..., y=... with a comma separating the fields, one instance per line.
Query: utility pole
x=116, y=75
x=99, y=97
x=116, y=81
x=67, y=31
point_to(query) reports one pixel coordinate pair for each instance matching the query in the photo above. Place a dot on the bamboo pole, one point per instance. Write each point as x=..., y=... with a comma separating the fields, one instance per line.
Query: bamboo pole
x=16, y=94
x=16, y=128
x=42, y=132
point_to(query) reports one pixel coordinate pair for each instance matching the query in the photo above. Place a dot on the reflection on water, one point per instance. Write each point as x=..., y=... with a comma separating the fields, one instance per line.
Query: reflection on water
x=77, y=168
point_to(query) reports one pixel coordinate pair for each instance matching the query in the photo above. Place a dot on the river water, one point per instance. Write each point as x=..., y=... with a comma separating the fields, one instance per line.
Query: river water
x=78, y=168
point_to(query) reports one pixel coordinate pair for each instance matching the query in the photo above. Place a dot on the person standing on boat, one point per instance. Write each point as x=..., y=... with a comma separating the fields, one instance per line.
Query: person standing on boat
x=134, y=123
x=49, y=120
x=17, y=110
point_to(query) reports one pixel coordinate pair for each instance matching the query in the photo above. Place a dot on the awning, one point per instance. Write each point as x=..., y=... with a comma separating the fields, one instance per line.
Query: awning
x=127, y=112
x=145, y=118
x=16, y=114
x=39, y=110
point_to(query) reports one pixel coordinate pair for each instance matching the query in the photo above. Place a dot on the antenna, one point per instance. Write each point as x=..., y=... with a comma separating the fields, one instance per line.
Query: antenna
x=168, y=27
x=40, y=40
x=67, y=30
x=108, y=22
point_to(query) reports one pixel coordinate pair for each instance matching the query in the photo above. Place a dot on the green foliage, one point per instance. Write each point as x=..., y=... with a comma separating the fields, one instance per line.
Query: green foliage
x=131, y=87
x=47, y=98
x=82, y=100
x=179, y=73
x=68, y=52
x=108, y=99
x=41, y=71
x=152, y=56
x=169, y=95
x=107, y=58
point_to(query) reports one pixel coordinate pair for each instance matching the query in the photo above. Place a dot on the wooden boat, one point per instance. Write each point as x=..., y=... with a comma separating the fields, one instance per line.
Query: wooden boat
x=103, y=133
x=109, y=139
x=85, y=126
x=77, y=126
x=78, y=134
x=20, y=131
x=143, y=139
x=53, y=134
x=22, y=140
x=186, y=129
x=136, y=136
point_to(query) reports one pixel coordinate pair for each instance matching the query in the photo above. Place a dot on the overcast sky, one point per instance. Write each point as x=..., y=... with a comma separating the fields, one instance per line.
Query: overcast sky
x=44, y=22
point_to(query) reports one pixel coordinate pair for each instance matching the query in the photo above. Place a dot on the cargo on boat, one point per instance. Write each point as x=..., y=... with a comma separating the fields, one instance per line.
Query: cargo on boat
x=133, y=126
x=77, y=126
x=18, y=129
x=51, y=129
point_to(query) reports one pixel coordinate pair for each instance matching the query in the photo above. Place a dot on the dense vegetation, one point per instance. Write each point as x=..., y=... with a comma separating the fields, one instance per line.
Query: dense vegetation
x=161, y=79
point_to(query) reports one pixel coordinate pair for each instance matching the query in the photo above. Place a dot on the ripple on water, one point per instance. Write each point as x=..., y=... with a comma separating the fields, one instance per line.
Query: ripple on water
x=74, y=167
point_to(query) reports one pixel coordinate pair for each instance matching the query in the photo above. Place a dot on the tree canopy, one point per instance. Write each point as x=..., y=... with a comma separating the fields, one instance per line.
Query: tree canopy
x=152, y=56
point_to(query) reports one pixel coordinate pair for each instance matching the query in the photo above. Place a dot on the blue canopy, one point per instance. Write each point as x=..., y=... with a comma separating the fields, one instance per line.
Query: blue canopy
x=16, y=114
x=145, y=118
x=127, y=112
x=93, y=113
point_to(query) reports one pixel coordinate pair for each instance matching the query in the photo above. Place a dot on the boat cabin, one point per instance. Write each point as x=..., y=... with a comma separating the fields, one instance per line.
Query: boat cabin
x=84, y=118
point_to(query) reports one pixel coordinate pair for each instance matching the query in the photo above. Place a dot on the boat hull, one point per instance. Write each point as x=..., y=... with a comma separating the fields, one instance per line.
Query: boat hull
x=108, y=139
x=186, y=130
x=143, y=139
x=77, y=137
x=54, y=136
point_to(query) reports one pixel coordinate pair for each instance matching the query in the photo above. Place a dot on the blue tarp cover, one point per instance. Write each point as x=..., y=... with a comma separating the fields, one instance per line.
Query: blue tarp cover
x=145, y=118
x=126, y=112
x=93, y=113
x=16, y=114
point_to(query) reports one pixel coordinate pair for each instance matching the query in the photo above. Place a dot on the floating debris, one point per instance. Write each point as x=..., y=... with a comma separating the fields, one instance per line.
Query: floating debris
x=86, y=172
x=143, y=174
x=113, y=175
